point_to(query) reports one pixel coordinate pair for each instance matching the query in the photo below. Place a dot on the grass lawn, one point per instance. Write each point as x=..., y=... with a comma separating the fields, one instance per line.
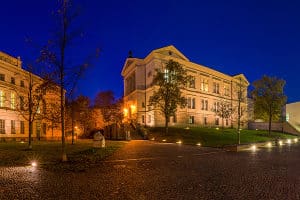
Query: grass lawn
x=212, y=137
x=81, y=156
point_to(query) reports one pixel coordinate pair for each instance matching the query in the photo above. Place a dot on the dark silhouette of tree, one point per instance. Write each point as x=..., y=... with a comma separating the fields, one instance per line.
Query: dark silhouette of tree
x=111, y=109
x=269, y=98
x=55, y=55
x=169, y=82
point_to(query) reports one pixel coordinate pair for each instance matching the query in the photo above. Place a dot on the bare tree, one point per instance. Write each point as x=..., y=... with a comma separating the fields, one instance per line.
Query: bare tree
x=30, y=95
x=241, y=91
x=55, y=54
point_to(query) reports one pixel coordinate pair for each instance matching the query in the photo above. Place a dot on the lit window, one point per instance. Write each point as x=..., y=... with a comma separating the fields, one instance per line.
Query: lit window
x=204, y=85
x=12, y=101
x=2, y=98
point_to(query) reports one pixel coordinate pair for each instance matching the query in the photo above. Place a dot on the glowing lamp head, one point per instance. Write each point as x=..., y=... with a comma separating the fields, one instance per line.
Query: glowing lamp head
x=269, y=144
x=164, y=140
x=198, y=144
x=33, y=163
x=289, y=141
x=280, y=143
x=179, y=142
x=217, y=128
x=253, y=147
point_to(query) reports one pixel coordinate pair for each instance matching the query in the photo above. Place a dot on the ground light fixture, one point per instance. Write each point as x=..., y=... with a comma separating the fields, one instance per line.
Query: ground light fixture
x=179, y=142
x=152, y=139
x=295, y=139
x=198, y=144
x=253, y=147
x=289, y=141
x=164, y=140
x=269, y=144
x=280, y=143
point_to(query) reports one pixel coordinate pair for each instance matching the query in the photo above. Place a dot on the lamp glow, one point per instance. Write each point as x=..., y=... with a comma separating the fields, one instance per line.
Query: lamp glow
x=164, y=140
x=253, y=147
x=288, y=141
x=269, y=144
x=152, y=138
x=179, y=142
x=295, y=139
x=198, y=144
x=280, y=143
x=33, y=163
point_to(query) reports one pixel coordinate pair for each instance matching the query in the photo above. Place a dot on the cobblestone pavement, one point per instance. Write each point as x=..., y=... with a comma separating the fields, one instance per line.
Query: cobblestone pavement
x=147, y=170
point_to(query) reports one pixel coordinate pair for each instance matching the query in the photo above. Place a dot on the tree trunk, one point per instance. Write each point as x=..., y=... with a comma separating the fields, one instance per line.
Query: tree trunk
x=270, y=124
x=30, y=134
x=222, y=125
x=166, y=126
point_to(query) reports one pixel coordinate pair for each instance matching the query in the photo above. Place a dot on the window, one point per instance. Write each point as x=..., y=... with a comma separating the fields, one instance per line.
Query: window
x=2, y=126
x=2, y=98
x=2, y=77
x=174, y=119
x=216, y=106
x=226, y=90
x=191, y=82
x=191, y=120
x=38, y=110
x=217, y=121
x=12, y=80
x=204, y=85
x=13, y=127
x=204, y=104
x=216, y=88
x=22, y=127
x=143, y=104
x=22, y=103
x=205, y=120
x=143, y=119
x=149, y=118
x=191, y=103
x=12, y=100
x=22, y=84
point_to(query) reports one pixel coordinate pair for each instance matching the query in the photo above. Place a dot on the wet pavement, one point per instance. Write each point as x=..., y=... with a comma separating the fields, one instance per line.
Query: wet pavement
x=148, y=170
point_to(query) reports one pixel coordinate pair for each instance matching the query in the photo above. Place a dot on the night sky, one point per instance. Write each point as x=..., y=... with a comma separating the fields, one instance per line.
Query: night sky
x=250, y=37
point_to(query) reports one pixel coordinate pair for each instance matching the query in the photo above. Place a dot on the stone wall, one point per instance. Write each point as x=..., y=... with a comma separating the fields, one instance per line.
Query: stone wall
x=276, y=126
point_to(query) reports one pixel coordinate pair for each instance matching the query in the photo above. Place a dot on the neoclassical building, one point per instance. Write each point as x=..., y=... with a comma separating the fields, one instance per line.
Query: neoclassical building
x=204, y=93
x=14, y=89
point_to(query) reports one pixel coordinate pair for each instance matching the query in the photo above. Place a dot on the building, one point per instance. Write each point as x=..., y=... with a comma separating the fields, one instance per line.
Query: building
x=14, y=89
x=292, y=115
x=207, y=89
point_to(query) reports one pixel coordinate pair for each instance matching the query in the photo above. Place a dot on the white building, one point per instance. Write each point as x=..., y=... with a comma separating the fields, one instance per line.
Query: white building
x=207, y=89
x=14, y=84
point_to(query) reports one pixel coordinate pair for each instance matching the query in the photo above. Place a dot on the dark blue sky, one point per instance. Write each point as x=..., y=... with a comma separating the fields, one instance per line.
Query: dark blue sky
x=250, y=37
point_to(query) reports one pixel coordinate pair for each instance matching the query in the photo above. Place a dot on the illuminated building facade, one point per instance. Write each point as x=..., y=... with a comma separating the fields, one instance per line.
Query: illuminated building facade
x=204, y=93
x=14, y=83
